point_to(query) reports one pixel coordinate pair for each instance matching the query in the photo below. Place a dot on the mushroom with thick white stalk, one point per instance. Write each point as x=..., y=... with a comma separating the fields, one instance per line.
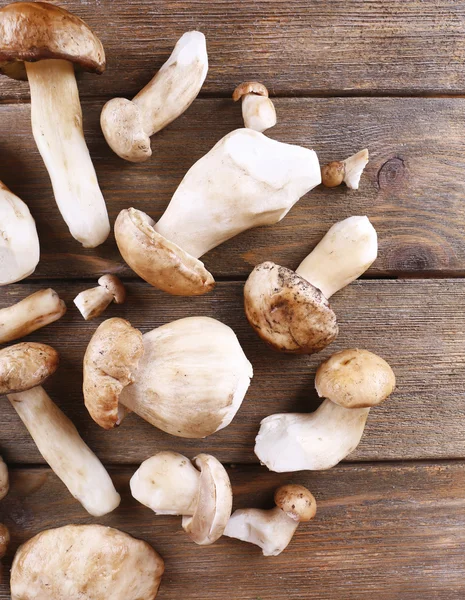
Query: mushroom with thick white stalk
x=246, y=180
x=85, y=562
x=23, y=368
x=290, y=310
x=273, y=529
x=348, y=171
x=200, y=491
x=351, y=382
x=92, y=302
x=44, y=43
x=187, y=377
x=258, y=110
x=4, y=487
x=129, y=124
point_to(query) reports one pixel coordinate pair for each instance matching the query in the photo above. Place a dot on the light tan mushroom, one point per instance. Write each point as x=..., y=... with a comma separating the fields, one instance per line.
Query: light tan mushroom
x=258, y=110
x=200, y=491
x=4, y=487
x=92, y=302
x=348, y=171
x=85, y=562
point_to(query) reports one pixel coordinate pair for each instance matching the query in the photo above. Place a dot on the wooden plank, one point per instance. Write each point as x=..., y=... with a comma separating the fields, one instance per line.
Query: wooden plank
x=418, y=326
x=390, y=531
x=296, y=46
x=413, y=188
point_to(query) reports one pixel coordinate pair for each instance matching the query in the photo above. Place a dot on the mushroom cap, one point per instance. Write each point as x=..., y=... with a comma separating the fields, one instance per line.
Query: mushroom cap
x=4, y=539
x=160, y=262
x=214, y=502
x=355, y=379
x=123, y=127
x=110, y=361
x=25, y=366
x=4, y=479
x=249, y=87
x=332, y=174
x=296, y=501
x=114, y=286
x=287, y=311
x=85, y=561
x=33, y=31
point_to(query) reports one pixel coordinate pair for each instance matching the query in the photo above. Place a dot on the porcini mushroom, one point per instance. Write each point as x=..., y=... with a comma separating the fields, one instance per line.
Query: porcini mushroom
x=129, y=124
x=290, y=310
x=258, y=110
x=351, y=381
x=43, y=43
x=85, y=562
x=23, y=367
x=200, y=491
x=19, y=243
x=187, y=378
x=273, y=529
x=91, y=303
x=4, y=487
x=348, y=171
x=246, y=180
x=31, y=313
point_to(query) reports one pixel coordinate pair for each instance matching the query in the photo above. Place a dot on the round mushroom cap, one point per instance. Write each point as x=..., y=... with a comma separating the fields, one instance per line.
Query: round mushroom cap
x=214, y=502
x=287, y=311
x=296, y=501
x=25, y=366
x=355, y=379
x=4, y=479
x=332, y=174
x=122, y=125
x=114, y=286
x=4, y=539
x=249, y=87
x=160, y=262
x=85, y=561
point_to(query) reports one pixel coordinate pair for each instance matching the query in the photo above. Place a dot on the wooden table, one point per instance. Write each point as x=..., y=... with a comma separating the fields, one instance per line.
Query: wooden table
x=382, y=74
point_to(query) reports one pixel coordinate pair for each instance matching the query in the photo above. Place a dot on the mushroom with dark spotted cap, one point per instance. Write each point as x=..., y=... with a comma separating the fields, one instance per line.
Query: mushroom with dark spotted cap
x=258, y=110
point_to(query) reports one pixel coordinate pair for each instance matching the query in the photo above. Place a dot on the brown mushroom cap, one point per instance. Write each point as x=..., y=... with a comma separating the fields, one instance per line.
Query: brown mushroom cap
x=332, y=174
x=249, y=87
x=160, y=262
x=287, y=311
x=4, y=479
x=32, y=31
x=114, y=286
x=355, y=379
x=26, y=365
x=4, y=539
x=296, y=501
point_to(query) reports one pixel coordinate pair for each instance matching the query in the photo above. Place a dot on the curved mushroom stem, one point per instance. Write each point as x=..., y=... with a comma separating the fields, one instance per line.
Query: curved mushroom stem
x=60, y=444
x=57, y=127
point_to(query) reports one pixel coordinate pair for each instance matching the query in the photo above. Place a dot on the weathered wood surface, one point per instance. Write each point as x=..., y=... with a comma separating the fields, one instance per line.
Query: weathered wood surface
x=388, y=531
x=418, y=326
x=413, y=188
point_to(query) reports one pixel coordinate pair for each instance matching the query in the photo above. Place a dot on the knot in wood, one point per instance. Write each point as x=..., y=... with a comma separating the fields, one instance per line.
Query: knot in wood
x=391, y=173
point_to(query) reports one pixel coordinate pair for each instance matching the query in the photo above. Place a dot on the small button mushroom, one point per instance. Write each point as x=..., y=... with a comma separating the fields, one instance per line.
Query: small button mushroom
x=129, y=124
x=351, y=381
x=348, y=171
x=200, y=491
x=246, y=180
x=258, y=111
x=290, y=310
x=273, y=529
x=78, y=562
x=91, y=303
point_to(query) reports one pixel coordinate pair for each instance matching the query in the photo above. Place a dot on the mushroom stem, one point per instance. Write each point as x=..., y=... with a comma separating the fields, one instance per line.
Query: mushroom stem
x=57, y=127
x=60, y=444
x=91, y=303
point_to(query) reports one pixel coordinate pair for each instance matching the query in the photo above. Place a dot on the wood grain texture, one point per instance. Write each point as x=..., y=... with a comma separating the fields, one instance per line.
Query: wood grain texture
x=385, y=531
x=412, y=190
x=417, y=326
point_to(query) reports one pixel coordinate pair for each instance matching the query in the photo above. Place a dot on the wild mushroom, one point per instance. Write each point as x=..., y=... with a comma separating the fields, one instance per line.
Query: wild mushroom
x=19, y=243
x=290, y=310
x=4, y=487
x=84, y=562
x=200, y=491
x=273, y=529
x=129, y=124
x=44, y=43
x=31, y=313
x=91, y=303
x=258, y=110
x=23, y=367
x=245, y=181
x=348, y=171
x=351, y=381
x=187, y=377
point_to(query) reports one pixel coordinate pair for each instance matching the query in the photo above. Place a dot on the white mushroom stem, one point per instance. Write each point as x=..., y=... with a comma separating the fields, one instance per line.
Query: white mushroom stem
x=258, y=112
x=91, y=303
x=60, y=444
x=57, y=128
x=345, y=253
x=353, y=168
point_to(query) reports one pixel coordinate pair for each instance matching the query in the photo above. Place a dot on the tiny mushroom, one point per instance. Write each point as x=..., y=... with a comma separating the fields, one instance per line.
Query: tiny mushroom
x=23, y=367
x=44, y=43
x=4, y=487
x=258, y=110
x=273, y=529
x=246, y=180
x=351, y=382
x=85, y=562
x=128, y=124
x=91, y=303
x=348, y=171
x=290, y=310
x=200, y=491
